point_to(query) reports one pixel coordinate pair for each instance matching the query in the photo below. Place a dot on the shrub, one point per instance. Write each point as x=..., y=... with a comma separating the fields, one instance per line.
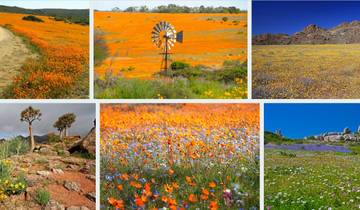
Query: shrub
x=42, y=197
x=15, y=146
x=32, y=18
x=225, y=19
x=177, y=65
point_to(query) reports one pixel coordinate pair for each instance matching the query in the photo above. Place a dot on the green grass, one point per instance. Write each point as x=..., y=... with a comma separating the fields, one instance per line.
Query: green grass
x=15, y=146
x=42, y=197
x=182, y=81
x=311, y=180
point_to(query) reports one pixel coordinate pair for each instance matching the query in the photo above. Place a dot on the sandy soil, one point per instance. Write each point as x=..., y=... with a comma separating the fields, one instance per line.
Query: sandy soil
x=13, y=53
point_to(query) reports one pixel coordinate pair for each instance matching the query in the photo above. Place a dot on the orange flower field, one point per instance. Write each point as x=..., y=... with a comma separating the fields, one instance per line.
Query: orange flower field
x=208, y=40
x=63, y=59
x=155, y=156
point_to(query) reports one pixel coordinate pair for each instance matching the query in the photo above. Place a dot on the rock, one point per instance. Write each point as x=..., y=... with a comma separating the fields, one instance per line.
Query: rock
x=91, y=177
x=91, y=196
x=54, y=205
x=72, y=186
x=43, y=173
x=57, y=171
x=72, y=167
x=77, y=208
x=87, y=144
x=345, y=33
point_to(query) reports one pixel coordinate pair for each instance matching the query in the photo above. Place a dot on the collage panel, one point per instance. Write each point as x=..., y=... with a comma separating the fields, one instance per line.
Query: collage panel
x=44, y=49
x=312, y=156
x=47, y=156
x=306, y=50
x=174, y=49
x=179, y=156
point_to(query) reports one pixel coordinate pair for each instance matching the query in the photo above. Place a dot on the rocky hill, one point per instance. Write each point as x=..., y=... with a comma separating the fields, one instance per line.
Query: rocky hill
x=345, y=33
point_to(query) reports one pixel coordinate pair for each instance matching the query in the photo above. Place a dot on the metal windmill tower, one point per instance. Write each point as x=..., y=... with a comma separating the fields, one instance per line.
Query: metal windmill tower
x=164, y=37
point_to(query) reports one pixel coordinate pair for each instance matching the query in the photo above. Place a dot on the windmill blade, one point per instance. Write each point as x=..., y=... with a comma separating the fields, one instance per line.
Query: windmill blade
x=157, y=28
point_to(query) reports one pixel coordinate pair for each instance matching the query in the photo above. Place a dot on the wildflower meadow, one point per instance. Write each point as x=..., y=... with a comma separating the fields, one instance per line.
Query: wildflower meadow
x=180, y=156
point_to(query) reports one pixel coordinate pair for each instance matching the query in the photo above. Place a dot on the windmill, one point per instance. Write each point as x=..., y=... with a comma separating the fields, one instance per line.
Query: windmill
x=164, y=37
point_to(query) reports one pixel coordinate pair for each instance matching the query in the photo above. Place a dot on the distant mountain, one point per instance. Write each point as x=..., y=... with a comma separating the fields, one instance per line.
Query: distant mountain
x=79, y=16
x=345, y=33
x=38, y=139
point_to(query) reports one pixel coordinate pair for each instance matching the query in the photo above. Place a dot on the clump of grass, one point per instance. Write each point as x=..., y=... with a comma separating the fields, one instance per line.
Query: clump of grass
x=42, y=197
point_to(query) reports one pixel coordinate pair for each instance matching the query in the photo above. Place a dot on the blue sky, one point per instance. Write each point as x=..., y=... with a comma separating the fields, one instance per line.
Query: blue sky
x=300, y=120
x=47, y=4
x=123, y=4
x=290, y=16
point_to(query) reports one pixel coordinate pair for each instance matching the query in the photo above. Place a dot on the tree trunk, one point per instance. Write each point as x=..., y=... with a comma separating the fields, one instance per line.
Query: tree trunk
x=32, y=140
x=65, y=132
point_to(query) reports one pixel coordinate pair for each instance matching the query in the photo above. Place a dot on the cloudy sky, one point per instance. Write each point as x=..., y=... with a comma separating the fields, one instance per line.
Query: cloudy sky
x=123, y=4
x=10, y=124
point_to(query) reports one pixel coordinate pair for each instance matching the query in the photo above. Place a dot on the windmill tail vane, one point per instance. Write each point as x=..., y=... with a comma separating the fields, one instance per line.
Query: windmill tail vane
x=164, y=37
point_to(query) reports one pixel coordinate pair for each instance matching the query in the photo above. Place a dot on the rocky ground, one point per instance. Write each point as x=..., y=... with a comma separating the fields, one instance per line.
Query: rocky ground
x=69, y=180
x=68, y=177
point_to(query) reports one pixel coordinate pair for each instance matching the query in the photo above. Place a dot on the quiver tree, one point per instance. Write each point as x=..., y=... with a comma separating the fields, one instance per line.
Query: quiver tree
x=29, y=115
x=64, y=122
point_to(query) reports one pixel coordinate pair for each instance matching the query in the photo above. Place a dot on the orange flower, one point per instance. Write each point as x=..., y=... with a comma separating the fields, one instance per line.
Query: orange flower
x=125, y=177
x=135, y=184
x=120, y=187
x=171, y=202
x=164, y=199
x=213, y=205
x=140, y=200
x=205, y=191
x=192, y=198
x=212, y=184
x=147, y=189
x=119, y=204
x=204, y=197
x=175, y=185
x=168, y=188
x=171, y=172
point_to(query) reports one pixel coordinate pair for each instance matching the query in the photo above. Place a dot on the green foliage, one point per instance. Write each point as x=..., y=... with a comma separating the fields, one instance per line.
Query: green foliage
x=225, y=19
x=84, y=155
x=32, y=18
x=54, y=139
x=270, y=137
x=5, y=169
x=173, y=8
x=287, y=154
x=42, y=197
x=355, y=149
x=311, y=180
x=181, y=81
x=177, y=65
x=178, y=88
x=101, y=51
x=15, y=146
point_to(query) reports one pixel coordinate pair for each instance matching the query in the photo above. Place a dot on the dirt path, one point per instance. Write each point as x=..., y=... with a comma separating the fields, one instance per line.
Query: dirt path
x=13, y=53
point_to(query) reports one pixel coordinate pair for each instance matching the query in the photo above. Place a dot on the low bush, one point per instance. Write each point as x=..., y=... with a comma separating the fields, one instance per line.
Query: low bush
x=32, y=18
